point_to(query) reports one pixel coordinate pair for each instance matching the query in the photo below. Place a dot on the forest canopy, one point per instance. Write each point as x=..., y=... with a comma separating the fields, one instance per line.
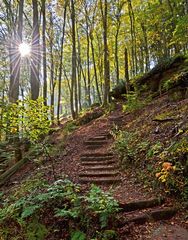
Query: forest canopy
x=76, y=51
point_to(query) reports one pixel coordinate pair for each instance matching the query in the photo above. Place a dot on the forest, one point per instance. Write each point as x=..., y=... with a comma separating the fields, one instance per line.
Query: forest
x=93, y=107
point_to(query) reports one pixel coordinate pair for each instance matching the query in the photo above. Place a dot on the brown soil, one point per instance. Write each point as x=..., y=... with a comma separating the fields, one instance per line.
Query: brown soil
x=129, y=189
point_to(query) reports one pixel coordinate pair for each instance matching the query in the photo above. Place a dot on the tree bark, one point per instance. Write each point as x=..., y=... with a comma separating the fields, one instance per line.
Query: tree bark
x=88, y=57
x=133, y=39
x=95, y=69
x=35, y=55
x=104, y=11
x=126, y=70
x=61, y=62
x=15, y=58
x=44, y=51
x=147, y=63
x=73, y=80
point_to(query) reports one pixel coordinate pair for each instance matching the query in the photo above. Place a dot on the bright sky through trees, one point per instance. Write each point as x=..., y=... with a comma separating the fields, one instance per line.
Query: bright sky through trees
x=24, y=49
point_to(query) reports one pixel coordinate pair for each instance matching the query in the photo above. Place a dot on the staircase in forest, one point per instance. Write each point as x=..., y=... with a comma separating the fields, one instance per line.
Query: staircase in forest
x=98, y=166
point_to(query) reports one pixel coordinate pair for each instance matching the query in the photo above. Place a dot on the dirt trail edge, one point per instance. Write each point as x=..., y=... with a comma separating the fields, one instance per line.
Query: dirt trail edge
x=90, y=159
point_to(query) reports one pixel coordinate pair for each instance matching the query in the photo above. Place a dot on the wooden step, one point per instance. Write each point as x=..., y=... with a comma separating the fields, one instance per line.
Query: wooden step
x=104, y=180
x=115, y=118
x=96, y=138
x=141, y=204
x=94, y=163
x=101, y=167
x=97, y=154
x=106, y=135
x=96, y=158
x=93, y=147
x=153, y=215
x=99, y=174
x=95, y=142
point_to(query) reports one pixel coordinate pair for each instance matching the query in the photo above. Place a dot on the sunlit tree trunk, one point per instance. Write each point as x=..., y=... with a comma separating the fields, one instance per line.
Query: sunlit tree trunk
x=35, y=56
x=79, y=72
x=126, y=62
x=44, y=51
x=133, y=39
x=88, y=56
x=95, y=69
x=116, y=54
x=61, y=62
x=52, y=84
x=15, y=58
x=146, y=50
x=74, y=101
x=52, y=64
x=104, y=11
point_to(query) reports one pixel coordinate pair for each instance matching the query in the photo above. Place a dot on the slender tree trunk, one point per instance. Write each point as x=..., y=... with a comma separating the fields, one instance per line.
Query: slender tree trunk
x=126, y=70
x=95, y=69
x=116, y=53
x=88, y=58
x=35, y=56
x=133, y=39
x=100, y=64
x=104, y=11
x=73, y=82
x=79, y=85
x=61, y=63
x=147, y=63
x=15, y=58
x=51, y=79
x=79, y=71
x=44, y=51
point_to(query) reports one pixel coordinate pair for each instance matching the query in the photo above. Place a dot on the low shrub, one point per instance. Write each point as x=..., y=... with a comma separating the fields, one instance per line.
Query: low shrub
x=65, y=204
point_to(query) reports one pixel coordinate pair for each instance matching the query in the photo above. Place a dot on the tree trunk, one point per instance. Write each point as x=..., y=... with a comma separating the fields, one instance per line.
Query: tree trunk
x=116, y=53
x=79, y=71
x=61, y=63
x=104, y=11
x=52, y=79
x=95, y=69
x=126, y=70
x=35, y=56
x=73, y=82
x=15, y=58
x=147, y=63
x=44, y=51
x=88, y=57
x=133, y=39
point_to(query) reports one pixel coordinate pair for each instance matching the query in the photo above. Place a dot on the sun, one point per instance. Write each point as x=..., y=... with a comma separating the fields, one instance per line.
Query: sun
x=24, y=49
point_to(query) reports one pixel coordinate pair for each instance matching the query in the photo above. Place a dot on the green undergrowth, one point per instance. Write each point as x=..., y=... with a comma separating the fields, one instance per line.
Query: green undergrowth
x=134, y=102
x=37, y=210
x=159, y=164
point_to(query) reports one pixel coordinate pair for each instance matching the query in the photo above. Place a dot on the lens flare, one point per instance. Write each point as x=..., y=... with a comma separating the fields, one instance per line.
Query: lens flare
x=24, y=49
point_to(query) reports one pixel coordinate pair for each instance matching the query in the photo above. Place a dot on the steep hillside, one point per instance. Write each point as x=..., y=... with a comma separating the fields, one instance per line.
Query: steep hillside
x=138, y=149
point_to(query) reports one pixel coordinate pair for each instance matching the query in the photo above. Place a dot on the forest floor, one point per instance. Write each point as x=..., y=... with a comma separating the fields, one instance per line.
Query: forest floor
x=130, y=188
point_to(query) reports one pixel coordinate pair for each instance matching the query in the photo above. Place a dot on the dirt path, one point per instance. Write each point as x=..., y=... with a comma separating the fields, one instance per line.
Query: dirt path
x=88, y=157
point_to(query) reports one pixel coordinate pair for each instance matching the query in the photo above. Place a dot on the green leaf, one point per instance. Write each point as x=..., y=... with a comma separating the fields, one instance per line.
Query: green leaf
x=78, y=235
x=28, y=211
